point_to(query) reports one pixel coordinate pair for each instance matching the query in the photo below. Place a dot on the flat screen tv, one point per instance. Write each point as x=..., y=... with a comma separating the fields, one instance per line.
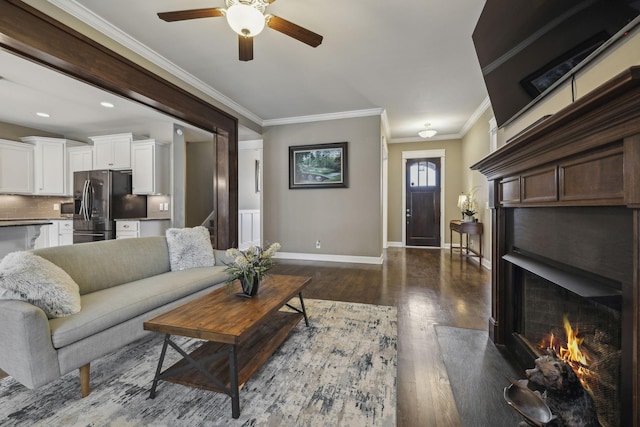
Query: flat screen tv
x=528, y=47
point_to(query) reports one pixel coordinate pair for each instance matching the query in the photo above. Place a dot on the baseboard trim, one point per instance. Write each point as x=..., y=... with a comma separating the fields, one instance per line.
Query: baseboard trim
x=330, y=258
x=394, y=244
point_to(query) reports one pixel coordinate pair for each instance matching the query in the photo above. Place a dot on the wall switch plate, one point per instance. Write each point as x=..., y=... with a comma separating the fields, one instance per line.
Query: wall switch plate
x=56, y=206
x=317, y=244
x=165, y=206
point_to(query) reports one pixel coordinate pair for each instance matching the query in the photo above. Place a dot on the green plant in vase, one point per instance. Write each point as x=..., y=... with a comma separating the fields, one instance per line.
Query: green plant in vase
x=250, y=266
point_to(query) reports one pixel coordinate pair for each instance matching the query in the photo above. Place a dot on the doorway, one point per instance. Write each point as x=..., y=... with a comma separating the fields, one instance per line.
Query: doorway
x=422, y=211
x=422, y=198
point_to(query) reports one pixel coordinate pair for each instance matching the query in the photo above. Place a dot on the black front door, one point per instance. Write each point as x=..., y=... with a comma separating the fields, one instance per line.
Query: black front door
x=423, y=202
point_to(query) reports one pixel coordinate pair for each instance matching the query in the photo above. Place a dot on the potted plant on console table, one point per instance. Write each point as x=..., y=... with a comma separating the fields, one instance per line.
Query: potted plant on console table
x=467, y=205
x=249, y=266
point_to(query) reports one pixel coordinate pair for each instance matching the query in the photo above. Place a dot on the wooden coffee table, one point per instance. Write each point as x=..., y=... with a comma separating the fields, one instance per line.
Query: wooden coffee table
x=241, y=334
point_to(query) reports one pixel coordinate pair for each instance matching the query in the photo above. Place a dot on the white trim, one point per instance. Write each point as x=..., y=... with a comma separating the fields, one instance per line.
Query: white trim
x=475, y=116
x=330, y=258
x=418, y=154
x=323, y=117
x=384, y=119
x=394, y=244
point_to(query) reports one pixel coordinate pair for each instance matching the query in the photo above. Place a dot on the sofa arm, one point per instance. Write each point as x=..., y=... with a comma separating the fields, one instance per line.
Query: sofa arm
x=26, y=351
x=221, y=257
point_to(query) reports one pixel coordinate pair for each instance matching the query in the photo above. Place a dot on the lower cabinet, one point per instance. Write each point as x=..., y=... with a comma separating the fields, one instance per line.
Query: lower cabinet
x=58, y=233
x=127, y=229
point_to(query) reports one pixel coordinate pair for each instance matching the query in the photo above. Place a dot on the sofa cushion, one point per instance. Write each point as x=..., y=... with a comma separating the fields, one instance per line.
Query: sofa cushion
x=28, y=277
x=108, y=307
x=189, y=248
x=99, y=265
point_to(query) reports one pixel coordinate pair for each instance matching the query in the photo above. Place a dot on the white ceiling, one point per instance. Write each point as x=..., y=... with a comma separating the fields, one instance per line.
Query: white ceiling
x=413, y=59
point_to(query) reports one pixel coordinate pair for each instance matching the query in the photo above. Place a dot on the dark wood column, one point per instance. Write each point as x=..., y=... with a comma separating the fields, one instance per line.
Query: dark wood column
x=37, y=37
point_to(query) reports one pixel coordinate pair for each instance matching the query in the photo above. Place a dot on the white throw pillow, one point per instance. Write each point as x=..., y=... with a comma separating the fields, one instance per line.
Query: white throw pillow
x=28, y=277
x=190, y=248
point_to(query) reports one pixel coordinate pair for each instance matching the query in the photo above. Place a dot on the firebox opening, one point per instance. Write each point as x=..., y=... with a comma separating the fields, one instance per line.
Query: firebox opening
x=551, y=310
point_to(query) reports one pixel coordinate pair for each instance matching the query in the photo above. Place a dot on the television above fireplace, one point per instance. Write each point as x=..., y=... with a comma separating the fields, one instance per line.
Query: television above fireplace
x=526, y=48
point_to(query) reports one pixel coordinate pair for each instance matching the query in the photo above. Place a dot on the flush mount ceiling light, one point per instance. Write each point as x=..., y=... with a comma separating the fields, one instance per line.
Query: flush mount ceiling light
x=426, y=132
x=106, y=104
x=40, y=114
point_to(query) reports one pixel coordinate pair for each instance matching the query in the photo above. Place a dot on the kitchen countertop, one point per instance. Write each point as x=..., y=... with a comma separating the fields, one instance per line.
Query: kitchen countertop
x=23, y=222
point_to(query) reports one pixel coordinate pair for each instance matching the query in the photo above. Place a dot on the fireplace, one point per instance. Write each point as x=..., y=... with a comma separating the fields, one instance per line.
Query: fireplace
x=565, y=199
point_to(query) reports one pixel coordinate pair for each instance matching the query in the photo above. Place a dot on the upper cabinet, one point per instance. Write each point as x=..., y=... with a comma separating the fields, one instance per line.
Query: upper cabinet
x=16, y=167
x=50, y=164
x=112, y=151
x=78, y=159
x=150, y=167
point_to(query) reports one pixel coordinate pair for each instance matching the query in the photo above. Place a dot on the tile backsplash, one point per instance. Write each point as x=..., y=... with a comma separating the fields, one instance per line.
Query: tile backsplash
x=30, y=207
x=41, y=207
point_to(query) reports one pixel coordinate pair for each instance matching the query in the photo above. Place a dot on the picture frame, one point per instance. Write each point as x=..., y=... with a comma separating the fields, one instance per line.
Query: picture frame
x=540, y=80
x=318, y=166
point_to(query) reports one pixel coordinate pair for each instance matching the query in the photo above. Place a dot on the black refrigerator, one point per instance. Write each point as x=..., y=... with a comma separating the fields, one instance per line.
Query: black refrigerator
x=100, y=197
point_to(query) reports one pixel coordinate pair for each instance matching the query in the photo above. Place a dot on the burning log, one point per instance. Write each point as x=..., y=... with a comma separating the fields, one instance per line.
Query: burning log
x=563, y=392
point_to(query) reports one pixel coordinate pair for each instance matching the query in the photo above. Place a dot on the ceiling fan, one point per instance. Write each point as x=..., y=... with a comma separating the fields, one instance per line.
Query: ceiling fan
x=247, y=18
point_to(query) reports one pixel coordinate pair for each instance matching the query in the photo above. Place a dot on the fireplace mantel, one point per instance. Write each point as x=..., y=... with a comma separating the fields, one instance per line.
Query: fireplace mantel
x=586, y=155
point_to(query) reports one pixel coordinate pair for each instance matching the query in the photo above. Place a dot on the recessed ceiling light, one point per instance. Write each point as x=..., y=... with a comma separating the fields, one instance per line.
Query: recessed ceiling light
x=43, y=115
x=106, y=104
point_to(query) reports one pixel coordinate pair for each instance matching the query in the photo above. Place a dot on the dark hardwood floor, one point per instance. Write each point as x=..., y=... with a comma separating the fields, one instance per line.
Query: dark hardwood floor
x=428, y=287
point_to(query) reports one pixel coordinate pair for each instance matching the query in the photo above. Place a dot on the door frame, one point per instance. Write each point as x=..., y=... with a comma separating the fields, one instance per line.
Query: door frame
x=419, y=154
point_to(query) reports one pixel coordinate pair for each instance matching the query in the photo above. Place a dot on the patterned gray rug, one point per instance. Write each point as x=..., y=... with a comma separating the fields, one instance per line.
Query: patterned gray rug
x=339, y=371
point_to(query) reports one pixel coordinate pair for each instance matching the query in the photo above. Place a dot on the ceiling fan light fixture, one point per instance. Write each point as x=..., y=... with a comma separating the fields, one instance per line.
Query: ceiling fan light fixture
x=245, y=20
x=426, y=132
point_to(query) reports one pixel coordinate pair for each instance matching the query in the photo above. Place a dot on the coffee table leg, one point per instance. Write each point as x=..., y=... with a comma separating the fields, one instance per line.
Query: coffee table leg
x=304, y=311
x=233, y=375
x=152, y=395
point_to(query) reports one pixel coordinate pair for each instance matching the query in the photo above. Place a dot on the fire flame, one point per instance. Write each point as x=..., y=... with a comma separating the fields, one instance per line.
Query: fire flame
x=572, y=353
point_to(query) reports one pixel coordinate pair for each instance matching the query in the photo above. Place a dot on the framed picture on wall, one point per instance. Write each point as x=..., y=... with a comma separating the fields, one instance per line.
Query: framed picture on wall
x=318, y=166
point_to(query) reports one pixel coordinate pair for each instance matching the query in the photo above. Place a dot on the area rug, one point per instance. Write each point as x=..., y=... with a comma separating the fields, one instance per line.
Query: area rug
x=477, y=372
x=339, y=371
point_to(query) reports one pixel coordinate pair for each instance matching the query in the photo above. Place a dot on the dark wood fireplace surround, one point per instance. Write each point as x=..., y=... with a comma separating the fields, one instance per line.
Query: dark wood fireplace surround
x=585, y=161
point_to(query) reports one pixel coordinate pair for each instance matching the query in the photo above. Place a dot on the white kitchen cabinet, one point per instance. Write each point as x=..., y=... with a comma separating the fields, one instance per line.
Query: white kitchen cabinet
x=150, y=167
x=16, y=167
x=126, y=229
x=50, y=164
x=58, y=233
x=78, y=159
x=65, y=232
x=112, y=151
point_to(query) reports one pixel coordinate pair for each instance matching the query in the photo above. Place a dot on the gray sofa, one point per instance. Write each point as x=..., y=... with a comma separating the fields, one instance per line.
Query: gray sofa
x=122, y=283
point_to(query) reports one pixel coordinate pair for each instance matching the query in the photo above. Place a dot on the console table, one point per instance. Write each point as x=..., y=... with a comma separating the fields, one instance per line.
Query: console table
x=467, y=228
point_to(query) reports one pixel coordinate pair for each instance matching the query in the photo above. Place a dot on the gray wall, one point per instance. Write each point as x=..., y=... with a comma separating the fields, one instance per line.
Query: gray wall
x=347, y=221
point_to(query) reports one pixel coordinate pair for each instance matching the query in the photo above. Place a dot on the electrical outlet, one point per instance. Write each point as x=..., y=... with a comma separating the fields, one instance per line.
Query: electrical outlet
x=56, y=206
x=161, y=207
x=166, y=206
x=317, y=244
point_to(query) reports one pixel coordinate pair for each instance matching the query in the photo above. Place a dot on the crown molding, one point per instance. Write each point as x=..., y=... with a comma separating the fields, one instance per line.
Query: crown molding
x=418, y=139
x=486, y=103
x=88, y=17
x=324, y=117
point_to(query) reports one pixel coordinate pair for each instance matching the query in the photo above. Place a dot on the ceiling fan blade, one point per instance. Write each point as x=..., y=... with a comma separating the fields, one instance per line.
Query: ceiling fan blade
x=245, y=45
x=293, y=30
x=182, y=15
